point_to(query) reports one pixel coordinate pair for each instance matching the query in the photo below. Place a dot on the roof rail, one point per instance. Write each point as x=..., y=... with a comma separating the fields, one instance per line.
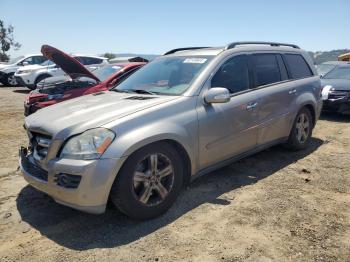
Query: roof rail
x=234, y=44
x=183, y=48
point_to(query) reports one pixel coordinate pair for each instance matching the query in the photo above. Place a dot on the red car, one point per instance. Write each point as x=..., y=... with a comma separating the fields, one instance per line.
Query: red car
x=81, y=81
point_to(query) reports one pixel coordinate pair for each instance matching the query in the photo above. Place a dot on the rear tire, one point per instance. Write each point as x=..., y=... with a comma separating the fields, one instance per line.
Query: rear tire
x=301, y=132
x=149, y=182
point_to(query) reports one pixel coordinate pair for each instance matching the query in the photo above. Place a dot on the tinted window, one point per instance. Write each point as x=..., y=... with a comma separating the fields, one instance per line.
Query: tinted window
x=233, y=75
x=39, y=59
x=89, y=60
x=283, y=69
x=297, y=66
x=266, y=69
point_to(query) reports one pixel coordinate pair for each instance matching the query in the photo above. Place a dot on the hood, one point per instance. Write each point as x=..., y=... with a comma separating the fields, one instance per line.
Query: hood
x=337, y=84
x=90, y=111
x=69, y=65
x=29, y=68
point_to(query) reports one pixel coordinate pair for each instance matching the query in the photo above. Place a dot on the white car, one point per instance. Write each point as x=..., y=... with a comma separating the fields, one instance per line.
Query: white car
x=30, y=76
x=7, y=70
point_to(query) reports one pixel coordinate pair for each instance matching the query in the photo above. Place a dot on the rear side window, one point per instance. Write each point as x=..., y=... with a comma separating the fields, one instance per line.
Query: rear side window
x=267, y=70
x=297, y=66
x=233, y=75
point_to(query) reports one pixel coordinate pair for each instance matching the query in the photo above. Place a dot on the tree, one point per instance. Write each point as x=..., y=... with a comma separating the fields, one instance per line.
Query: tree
x=7, y=41
x=109, y=55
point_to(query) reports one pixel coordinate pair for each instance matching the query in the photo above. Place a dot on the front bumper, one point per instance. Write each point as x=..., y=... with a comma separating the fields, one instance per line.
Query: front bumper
x=341, y=106
x=20, y=81
x=91, y=195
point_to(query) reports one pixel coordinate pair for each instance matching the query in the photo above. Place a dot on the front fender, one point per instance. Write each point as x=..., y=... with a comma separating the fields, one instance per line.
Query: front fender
x=129, y=142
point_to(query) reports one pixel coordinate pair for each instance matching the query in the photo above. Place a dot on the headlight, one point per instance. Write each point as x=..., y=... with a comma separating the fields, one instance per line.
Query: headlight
x=89, y=145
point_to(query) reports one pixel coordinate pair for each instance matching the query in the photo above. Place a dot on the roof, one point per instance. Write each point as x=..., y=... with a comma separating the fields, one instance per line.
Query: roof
x=213, y=51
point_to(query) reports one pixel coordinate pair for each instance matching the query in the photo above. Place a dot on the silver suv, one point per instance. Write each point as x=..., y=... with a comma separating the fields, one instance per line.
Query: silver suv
x=185, y=114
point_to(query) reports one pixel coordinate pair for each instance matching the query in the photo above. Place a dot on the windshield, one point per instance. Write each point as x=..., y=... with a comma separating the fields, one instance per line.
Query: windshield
x=165, y=75
x=105, y=72
x=339, y=73
x=47, y=63
x=323, y=69
x=14, y=60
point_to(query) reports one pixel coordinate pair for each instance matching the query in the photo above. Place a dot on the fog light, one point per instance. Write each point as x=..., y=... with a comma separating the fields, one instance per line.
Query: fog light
x=67, y=180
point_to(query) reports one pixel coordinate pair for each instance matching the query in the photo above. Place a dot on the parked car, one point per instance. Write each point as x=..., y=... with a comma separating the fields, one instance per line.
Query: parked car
x=336, y=89
x=324, y=68
x=30, y=76
x=78, y=82
x=182, y=115
x=8, y=69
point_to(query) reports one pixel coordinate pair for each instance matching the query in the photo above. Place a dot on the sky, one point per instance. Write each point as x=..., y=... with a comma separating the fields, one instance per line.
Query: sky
x=153, y=27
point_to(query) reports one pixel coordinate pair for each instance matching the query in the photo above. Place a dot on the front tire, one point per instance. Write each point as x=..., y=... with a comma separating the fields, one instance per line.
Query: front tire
x=11, y=80
x=149, y=182
x=301, y=132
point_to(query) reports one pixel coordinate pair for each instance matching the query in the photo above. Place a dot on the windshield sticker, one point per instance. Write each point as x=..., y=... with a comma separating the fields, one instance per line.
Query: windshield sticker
x=194, y=60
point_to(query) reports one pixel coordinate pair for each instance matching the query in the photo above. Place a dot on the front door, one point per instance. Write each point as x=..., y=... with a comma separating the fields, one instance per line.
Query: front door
x=228, y=129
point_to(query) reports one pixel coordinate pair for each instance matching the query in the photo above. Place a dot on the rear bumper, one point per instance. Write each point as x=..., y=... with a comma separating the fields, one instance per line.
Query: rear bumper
x=91, y=194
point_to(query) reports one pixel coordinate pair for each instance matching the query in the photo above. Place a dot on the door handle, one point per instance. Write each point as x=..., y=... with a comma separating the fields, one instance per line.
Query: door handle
x=291, y=92
x=252, y=105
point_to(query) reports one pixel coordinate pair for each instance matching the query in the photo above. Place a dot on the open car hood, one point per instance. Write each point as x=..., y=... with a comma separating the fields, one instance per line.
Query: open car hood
x=69, y=65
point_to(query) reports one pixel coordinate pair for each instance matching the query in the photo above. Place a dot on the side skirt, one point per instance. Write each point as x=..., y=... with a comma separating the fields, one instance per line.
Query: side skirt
x=237, y=157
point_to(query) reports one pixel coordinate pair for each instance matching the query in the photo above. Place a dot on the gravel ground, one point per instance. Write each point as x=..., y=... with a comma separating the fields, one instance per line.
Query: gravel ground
x=276, y=205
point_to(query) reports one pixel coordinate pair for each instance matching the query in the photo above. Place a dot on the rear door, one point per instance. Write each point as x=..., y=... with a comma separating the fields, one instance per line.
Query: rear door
x=276, y=92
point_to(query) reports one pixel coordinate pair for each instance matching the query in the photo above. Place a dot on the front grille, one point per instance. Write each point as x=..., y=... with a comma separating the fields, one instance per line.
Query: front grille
x=338, y=94
x=33, y=169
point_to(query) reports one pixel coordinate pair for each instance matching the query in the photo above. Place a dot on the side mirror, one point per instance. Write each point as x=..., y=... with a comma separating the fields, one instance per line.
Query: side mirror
x=25, y=63
x=217, y=95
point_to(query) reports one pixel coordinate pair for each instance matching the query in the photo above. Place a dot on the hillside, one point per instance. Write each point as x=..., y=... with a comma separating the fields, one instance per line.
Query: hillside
x=324, y=56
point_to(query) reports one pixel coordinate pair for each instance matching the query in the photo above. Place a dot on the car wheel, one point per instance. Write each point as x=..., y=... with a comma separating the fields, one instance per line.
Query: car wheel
x=38, y=79
x=11, y=80
x=149, y=182
x=301, y=132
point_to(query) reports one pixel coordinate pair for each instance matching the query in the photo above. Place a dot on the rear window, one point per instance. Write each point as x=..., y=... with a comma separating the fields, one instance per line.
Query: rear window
x=266, y=69
x=89, y=60
x=297, y=66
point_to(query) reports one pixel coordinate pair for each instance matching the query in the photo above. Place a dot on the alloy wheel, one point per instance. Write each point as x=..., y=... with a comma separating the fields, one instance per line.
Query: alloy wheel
x=11, y=80
x=302, y=128
x=153, y=179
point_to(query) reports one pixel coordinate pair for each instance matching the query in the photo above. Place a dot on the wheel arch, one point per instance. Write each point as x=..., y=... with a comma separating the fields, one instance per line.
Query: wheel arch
x=41, y=75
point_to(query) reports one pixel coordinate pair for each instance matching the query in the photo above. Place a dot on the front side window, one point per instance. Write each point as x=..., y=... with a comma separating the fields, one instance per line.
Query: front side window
x=233, y=75
x=266, y=69
x=297, y=66
x=339, y=73
x=165, y=75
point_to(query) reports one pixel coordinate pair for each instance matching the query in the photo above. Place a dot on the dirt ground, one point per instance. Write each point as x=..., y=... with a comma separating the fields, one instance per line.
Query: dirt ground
x=274, y=206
